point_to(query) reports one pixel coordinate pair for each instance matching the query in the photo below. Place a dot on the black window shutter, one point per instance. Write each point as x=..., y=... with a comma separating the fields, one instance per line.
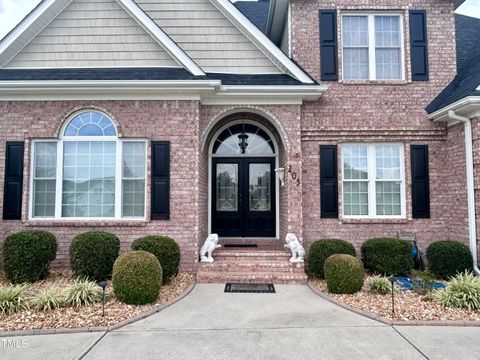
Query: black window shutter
x=418, y=45
x=328, y=181
x=328, y=44
x=160, y=180
x=13, y=187
x=420, y=182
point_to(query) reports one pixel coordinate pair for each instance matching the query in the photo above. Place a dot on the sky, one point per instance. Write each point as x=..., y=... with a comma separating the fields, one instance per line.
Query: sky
x=12, y=11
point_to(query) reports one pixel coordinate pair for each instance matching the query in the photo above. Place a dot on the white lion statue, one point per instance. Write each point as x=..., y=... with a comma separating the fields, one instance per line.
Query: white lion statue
x=298, y=252
x=208, y=248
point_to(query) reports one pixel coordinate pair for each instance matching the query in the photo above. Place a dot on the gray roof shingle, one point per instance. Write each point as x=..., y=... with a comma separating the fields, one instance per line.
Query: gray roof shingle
x=255, y=11
x=142, y=74
x=468, y=65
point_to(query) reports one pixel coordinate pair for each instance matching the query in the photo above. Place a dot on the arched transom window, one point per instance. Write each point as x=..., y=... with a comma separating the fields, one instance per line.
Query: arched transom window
x=90, y=123
x=88, y=172
x=243, y=139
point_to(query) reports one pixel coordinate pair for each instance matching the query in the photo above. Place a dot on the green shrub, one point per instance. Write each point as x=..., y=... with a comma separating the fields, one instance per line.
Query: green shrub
x=448, y=258
x=27, y=254
x=48, y=299
x=92, y=254
x=388, y=256
x=380, y=285
x=82, y=292
x=165, y=249
x=422, y=287
x=463, y=291
x=137, y=277
x=13, y=298
x=320, y=250
x=344, y=274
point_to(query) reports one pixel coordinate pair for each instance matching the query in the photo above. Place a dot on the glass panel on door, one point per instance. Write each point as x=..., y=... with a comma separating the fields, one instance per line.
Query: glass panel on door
x=260, y=197
x=227, y=187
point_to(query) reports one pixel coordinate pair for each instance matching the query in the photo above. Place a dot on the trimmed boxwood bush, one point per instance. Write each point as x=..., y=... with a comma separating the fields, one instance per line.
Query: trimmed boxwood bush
x=27, y=254
x=388, y=256
x=448, y=258
x=93, y=253
x=320, y=250
x=137, y=277
x=165, y=249
x=344, y=274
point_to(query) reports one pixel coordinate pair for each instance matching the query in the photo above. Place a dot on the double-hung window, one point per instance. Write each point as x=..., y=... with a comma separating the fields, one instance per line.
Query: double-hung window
x=372, y=47
x=88, y=172
x=373, y=180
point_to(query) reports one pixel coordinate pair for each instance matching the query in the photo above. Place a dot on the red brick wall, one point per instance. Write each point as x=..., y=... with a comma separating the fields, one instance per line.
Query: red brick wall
x=375, y=111
x=349, y=111
x=456, y=182
x=176, y=121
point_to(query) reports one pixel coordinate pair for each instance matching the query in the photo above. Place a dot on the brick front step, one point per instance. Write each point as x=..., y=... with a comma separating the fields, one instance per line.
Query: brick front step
x=251, y=278
x=254, y=265
x=221, y=265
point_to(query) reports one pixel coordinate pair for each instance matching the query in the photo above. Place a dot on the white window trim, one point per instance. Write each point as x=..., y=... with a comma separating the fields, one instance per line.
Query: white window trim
x=59, y=179
x=372, y=71
x=371, y=166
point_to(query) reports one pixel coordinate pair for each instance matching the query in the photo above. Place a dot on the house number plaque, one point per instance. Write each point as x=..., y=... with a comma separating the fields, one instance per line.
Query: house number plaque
x=293, y=175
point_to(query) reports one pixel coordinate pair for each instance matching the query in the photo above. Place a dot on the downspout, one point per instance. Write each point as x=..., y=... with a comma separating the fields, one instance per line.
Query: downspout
x=472, y=228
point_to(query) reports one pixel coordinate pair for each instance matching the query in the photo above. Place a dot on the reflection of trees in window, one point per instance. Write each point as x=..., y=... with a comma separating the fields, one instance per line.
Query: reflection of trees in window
x=226, y=191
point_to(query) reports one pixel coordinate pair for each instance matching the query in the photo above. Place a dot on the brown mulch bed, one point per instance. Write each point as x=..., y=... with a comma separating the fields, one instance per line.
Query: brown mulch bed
x=409, y=306
x=86, y=316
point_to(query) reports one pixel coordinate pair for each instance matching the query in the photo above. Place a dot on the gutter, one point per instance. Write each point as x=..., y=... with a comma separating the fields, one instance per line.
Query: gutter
x=207, y=91
x=472, y=228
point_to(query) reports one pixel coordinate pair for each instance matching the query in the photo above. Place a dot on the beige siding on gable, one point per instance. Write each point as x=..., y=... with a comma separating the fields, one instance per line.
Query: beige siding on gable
x=92, y=33
x=207, y=36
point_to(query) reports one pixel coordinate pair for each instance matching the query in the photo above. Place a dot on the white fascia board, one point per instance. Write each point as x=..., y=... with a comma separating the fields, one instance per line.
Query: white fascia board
x=264, y=95
x=160, y=36
x=206, y=91
x=45, y=84
x=465, y=107
x=261, y=40
x=29, y=27
x=106, y=90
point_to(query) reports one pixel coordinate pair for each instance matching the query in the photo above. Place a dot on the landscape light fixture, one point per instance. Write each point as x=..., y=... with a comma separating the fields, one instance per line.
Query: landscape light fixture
x=103, y=285
x=392, y=280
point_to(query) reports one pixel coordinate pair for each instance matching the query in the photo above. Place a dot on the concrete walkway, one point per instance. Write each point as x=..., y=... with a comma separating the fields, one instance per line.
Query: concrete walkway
x=294, y=323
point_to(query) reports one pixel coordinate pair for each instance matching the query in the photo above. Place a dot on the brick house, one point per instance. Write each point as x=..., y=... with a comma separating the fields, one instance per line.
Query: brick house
x=185, y=118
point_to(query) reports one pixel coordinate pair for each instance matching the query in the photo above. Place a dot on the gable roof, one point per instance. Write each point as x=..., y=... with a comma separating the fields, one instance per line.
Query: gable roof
x=256, y=12
x=47, y=10
x=467, y=81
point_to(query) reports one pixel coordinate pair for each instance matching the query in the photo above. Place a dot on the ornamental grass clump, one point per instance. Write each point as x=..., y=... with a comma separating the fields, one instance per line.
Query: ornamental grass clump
x=380, y=285
x=13, y=298
x=47, y=299
x=81, y=293
x=463, y=291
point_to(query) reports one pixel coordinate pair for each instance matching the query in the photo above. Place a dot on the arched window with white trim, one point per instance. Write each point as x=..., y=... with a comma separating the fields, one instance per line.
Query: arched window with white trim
x=88, y=172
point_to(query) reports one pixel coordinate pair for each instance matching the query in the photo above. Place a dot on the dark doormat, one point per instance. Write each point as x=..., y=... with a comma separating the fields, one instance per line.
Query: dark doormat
x=240, y=245
x=249, y=288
